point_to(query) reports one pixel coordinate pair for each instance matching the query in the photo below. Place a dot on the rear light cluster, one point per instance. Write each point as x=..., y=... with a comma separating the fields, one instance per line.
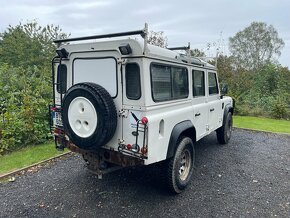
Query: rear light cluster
x=136, y=148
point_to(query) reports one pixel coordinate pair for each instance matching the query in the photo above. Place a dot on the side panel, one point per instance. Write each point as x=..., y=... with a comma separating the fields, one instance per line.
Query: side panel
x=161, y=121
x=132, y=107
x=163, y=117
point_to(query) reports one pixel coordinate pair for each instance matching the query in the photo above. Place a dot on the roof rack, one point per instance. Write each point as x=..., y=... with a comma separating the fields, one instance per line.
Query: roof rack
x=143, y=33
x=111, y=35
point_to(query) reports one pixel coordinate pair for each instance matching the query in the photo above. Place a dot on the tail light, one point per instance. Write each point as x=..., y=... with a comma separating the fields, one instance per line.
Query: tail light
x=129, y=146
x=144, y=120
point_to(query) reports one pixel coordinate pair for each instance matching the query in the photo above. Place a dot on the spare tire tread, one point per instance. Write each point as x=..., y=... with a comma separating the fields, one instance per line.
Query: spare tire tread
x=110, y=109
x=106, y=112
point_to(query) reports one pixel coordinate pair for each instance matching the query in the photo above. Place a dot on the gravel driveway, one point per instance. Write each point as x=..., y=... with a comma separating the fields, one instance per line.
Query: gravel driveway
x=249, y=177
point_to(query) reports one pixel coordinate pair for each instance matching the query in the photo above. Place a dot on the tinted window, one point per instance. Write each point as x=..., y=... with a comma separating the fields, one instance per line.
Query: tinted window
x=212, y=84
x=61, y=78
x=168, y=82
x=198, y=83
x=133, y=86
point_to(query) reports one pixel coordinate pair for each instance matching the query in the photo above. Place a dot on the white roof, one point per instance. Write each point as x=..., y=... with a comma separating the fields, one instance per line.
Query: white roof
x=137, y=50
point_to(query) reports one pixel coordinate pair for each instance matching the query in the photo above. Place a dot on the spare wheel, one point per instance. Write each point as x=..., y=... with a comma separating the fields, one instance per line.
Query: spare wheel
x=89, y=115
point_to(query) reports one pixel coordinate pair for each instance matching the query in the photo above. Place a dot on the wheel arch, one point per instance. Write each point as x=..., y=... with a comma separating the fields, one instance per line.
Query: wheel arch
x=228, y=108
x=184, y=128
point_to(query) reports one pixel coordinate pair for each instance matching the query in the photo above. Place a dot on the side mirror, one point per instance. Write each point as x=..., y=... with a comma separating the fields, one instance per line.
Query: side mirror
x=224, y=89
x=61, y=78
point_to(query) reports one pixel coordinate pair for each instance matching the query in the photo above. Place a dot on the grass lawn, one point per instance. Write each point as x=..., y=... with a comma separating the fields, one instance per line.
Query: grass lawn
x=27, y=156
x=263, y=124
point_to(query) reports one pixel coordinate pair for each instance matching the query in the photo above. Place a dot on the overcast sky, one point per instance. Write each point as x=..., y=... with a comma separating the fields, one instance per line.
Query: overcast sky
x=197, y=22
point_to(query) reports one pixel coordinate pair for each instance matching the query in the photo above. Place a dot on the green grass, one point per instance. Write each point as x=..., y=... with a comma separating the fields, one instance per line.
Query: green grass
x=262, y=124
x=27, y=156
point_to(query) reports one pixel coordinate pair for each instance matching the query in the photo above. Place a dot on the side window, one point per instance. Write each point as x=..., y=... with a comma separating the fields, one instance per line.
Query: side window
x=198, y=83
x=168, y=82
x=212, y=84
x=179, y=82
x=161, y=82
x=133, y=85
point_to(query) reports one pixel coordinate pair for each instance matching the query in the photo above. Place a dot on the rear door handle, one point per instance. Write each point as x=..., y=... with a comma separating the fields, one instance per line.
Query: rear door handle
x=197, y=114
x=211, y=110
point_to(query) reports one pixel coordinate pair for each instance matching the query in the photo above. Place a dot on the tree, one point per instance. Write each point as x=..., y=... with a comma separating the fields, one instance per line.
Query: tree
x=255, y=46
x=26, y=51
x=29, y=44
x=197, y=53
x=158, y=39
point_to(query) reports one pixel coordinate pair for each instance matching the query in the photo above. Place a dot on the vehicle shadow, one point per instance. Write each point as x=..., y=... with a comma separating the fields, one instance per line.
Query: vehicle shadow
x=146, y=180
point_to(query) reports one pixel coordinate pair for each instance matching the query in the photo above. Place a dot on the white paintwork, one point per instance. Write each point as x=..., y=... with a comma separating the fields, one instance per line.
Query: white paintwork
x=100, y=71
x=82, y=117
x=162, y=116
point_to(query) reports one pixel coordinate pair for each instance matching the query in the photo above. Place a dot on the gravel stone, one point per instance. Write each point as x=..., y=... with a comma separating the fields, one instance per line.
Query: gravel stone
x=249, y=177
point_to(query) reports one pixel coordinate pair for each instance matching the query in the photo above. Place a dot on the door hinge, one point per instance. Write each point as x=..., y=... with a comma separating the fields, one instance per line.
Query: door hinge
x=122, y=61
x=123, y=113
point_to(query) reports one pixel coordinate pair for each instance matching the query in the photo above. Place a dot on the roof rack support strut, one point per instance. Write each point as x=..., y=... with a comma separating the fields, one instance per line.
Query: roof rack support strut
x=145, y=36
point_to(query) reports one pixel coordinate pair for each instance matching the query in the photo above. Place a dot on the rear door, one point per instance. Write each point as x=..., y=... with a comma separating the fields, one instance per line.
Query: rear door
x=102, y=68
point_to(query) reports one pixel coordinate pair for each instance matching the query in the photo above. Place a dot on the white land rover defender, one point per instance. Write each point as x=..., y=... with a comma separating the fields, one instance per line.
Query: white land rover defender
x=124, y=103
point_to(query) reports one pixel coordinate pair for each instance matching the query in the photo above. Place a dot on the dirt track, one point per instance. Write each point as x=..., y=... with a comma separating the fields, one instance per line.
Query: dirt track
x=249, y=177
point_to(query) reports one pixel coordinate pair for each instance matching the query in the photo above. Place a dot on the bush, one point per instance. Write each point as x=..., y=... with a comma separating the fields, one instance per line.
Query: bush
x=279, y=109
x=24, y=114
x=263, y=93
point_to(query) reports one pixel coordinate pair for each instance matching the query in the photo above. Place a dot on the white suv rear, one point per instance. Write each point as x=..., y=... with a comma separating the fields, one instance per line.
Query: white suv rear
x=125, y=103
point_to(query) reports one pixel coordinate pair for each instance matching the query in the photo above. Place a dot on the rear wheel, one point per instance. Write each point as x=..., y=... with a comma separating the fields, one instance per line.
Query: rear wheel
x=224, y=133
x=179, y=168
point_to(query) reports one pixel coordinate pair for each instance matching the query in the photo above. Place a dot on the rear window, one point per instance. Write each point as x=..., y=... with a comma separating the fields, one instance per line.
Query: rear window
x=133, y=85
x=168, y=82
x=102, y=71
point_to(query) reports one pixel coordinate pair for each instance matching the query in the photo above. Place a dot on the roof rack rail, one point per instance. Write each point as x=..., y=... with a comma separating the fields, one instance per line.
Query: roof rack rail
x=186, y=48
x=142, y=32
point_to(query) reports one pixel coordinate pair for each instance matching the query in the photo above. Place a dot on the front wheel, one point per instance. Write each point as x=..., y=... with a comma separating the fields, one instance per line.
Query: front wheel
x=224, y=133
x=179, y=168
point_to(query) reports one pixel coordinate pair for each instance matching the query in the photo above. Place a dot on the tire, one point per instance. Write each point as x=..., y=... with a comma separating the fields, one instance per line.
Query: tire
x=179, y=168
x=89, y=115
x=224, y=133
